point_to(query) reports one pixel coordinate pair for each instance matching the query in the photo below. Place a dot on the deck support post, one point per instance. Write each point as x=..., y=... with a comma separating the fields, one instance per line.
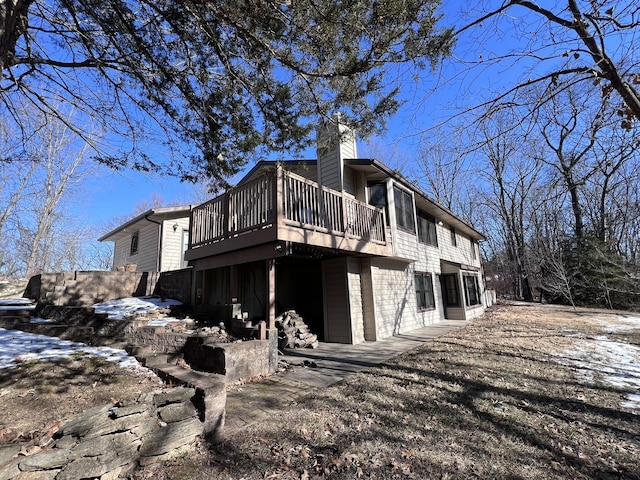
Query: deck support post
x=233, y=283
x=271, y=292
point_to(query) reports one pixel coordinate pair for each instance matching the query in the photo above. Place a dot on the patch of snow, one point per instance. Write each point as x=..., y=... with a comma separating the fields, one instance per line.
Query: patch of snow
x=119, y=309
x=42, y=321
x=634, y=401
x=619, y=323
x=612, y=363
x=570, y=332
x=16, y=304
x=163, y=322
x=17, y=346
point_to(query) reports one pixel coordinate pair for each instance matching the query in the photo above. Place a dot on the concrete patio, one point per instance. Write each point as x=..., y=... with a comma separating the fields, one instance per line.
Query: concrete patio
x=319, y=368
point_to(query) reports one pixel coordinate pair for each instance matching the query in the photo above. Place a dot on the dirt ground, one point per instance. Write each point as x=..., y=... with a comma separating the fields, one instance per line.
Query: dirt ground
x=36, y=396
x=505, y=397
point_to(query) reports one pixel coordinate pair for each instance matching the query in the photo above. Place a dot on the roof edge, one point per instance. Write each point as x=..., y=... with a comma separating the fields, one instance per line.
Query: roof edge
x=144, y=216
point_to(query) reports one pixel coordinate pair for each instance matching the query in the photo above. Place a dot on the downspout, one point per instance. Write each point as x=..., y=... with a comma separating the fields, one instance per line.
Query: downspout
x=159, y=251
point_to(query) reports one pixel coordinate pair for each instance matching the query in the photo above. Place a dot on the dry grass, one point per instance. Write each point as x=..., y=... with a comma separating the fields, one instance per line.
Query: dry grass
x=491, y=400
x=487, y=401
x=36, y=395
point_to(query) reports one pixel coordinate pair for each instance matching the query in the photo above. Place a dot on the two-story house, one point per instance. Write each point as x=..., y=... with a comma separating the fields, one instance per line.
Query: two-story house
x=357, y=250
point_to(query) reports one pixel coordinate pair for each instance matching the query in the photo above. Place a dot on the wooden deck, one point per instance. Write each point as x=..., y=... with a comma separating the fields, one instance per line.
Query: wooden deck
x=286, y=207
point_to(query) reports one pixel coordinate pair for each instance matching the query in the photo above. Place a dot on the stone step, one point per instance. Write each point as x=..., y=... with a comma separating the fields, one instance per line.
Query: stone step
x=150, y=359
x=17, y=313
x=211, y=393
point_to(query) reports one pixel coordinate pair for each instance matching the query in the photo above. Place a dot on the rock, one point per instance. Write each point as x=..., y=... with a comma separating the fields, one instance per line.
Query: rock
x=45, y=461
x=91, y=467
x=10, y=470
x=144, y=461
x=119, y=412
x=82, y=424
x=113, y=475
x=66, y=441
x=118, y=425
x=176, y=412
x=124, y=443
x=144, y=428
x=175, y=395
x=8, y=451
x=174, y=435
x=40, y=475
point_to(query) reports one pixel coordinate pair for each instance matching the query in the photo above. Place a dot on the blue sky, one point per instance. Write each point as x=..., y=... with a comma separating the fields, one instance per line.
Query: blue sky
x=429, y=100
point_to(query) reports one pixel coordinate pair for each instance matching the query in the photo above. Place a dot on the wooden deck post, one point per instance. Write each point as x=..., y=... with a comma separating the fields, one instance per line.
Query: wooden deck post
x=271, y=293
x=233, y=283
x=278, y=198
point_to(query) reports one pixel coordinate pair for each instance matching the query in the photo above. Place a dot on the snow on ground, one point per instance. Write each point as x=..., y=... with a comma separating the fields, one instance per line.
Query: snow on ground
x=601, y=360
x=619, y=323
x=17, y=347
x=16, y=304
x=119, y=309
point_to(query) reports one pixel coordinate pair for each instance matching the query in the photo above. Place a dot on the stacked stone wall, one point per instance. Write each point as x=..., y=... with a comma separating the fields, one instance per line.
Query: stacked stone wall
x=109, y=441
x=87, y=288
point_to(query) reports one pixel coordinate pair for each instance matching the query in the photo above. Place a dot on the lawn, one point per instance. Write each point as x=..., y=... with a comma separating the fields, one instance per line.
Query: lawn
x=525, y=392
x=511, y=396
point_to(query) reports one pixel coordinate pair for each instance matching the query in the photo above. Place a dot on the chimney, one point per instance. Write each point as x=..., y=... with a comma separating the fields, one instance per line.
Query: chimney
x=335, y=143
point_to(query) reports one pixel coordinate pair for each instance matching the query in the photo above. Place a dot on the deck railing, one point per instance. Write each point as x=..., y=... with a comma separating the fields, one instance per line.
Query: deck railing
x=304, y=204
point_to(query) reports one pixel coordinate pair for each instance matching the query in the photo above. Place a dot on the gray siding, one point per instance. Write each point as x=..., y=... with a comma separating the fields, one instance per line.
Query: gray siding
x=146, y=258
x=329, y=173
x=337, y=321
x=335, y=144
x=394, y=297
x=355, y=300
x=349, y=182
x=172, y=255
x=368, y=306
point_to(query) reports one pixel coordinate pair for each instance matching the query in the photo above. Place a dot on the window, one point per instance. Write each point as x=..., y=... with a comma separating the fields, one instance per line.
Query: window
x=454, y=242
x=427, y=229
x=471, y=290
x=424, y=291
x=134, y=243
x=378, y=197
x=473, y=249
x=450, y=290
x=404, y=209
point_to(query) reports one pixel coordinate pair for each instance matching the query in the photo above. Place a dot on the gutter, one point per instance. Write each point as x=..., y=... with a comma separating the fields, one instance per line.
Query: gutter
x=159, y=249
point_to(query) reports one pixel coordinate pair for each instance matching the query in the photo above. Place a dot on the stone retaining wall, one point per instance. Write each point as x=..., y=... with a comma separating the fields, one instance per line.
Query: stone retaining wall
x=108, y=441
x=86, y=288
x=236, y=360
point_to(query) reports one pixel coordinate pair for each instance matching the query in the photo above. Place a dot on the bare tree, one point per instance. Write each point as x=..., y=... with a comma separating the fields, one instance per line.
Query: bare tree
x=59, y=169
x=512, y=177
x=444, y=165
x=39, y=233
x=570, y=42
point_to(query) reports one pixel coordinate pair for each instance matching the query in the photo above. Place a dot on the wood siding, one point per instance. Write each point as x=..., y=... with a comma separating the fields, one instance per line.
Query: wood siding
x=368, y=305
x=355, y=300
x=394, y=297
x=172, y=254
x=337, y=321
x=146, y=258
